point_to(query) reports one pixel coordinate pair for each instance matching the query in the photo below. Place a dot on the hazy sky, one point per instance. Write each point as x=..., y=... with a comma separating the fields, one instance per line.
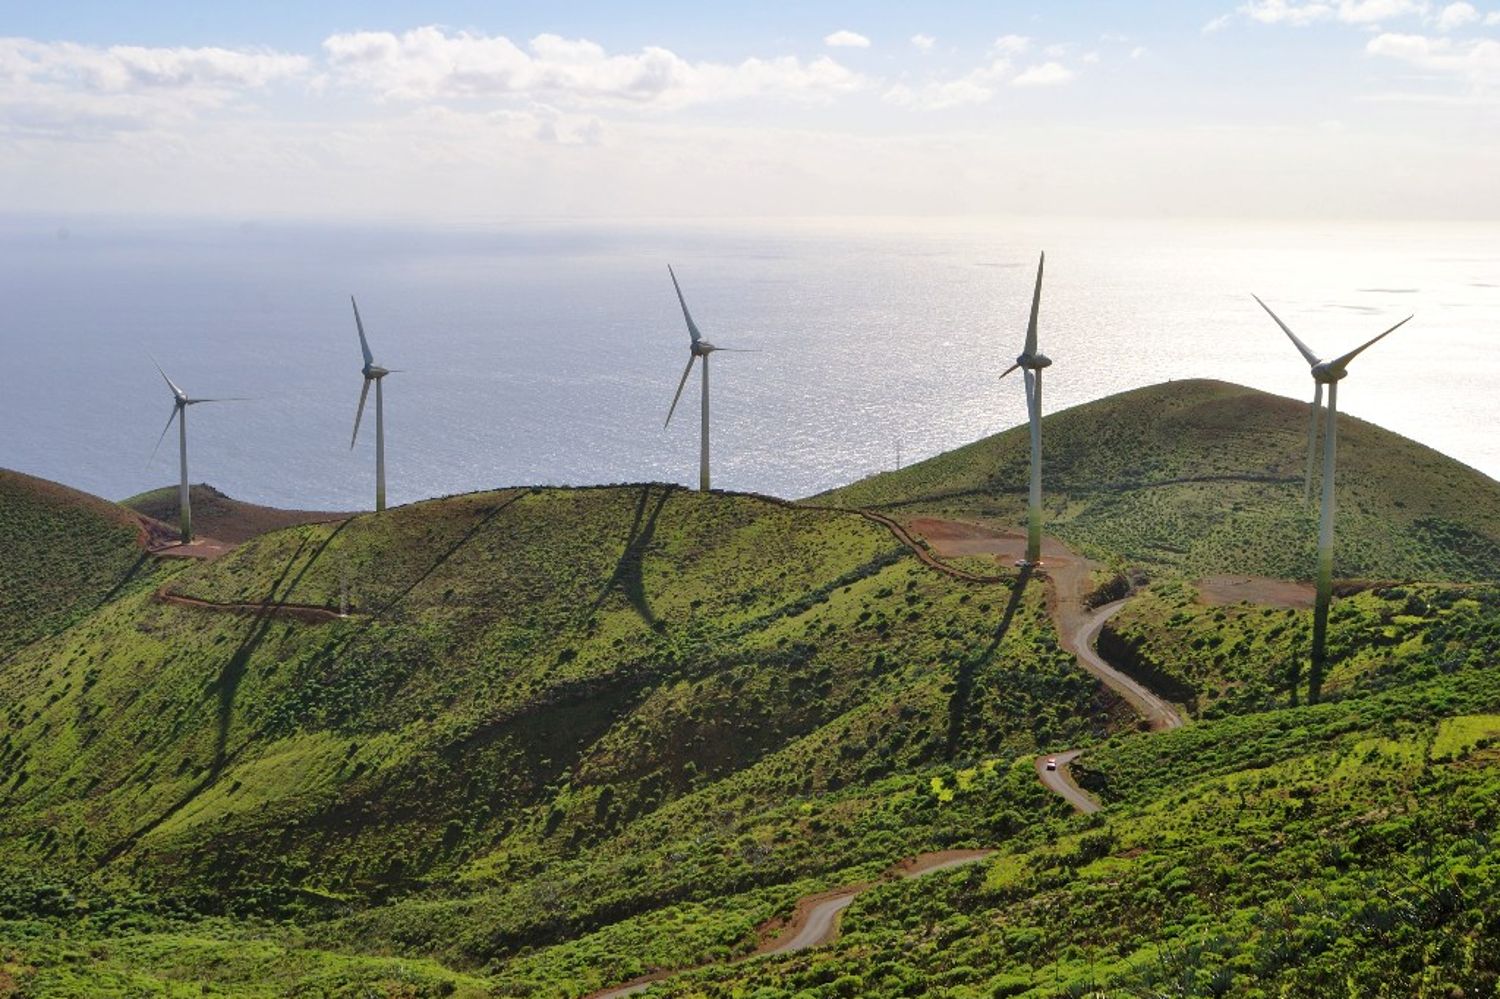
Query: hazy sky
x=467, y=110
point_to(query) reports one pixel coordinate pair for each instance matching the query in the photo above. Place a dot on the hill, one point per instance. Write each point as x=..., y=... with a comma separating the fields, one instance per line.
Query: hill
x=62, y=554
x=220, y=517
x=659, y=699
x=538, y=742
x=1205, y=477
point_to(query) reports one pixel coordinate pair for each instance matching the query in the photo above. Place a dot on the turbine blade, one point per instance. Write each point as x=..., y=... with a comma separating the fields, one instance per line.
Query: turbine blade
x=1340, y=362
x=1306, y=352
x=226, y=398
x=1036, y=305
x=1031, y=413
x=685, y=372
x=170, y=384
x=692, y=326
x=364, y=345
x=163, y=436
x=359, y=412
x=1010, y=369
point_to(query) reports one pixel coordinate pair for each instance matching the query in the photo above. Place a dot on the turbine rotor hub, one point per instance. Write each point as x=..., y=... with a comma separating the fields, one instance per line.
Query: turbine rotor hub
x=1033, y=361
x=1325, y=374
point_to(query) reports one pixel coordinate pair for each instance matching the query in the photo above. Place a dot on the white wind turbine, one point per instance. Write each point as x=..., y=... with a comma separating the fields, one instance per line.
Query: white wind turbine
x=1031, y=362
x=180, y=403
x=1324, y=373
x=373, y=373
x=698, y=348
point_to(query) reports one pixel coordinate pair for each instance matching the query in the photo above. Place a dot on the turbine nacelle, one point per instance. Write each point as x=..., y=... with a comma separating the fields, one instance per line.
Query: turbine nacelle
x=1327, y=372
x=702, y=348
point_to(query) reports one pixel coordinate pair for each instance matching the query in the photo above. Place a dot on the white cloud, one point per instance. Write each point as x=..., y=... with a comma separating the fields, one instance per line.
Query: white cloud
x=72, y=91
x=846, y=39
x=1012, y=44
x=1476, y=61
x=1138, y=52
x=1218, y=23
x=1492, y=18
x=1091, y=57
x=429, y=63
x=923, y=43
x=1456, y=15
x=1297, y=13
x=1046, y=74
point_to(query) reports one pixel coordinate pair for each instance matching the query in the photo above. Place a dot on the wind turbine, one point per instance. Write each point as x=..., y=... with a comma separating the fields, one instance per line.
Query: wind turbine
x=699, y=347
x=1324, y=373
x=373, y=373
x=180, y=403
x=1031, y=362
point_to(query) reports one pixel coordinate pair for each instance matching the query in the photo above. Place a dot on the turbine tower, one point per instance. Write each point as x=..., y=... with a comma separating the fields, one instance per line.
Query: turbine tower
x=1031, y=362
x=1324, y=373
x=699, y=347
x=373, y=373
x=180, y=403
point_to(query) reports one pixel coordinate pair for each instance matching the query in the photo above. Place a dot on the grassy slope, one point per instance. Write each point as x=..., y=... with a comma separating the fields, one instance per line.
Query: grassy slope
x=555, y=714
x=222, y=517
x=62, y=553
x=1206, y=477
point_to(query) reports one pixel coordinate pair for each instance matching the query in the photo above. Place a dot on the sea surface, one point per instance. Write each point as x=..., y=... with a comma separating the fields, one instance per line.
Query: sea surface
x=548, y=353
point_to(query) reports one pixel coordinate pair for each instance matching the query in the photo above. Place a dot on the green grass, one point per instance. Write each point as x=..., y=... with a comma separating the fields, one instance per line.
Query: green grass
x=556, y=718
x=1204, y=477
x=62, y=554
x=570, y=736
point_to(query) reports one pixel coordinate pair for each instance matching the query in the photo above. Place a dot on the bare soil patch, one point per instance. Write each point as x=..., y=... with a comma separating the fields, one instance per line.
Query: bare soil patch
x=1217, y=591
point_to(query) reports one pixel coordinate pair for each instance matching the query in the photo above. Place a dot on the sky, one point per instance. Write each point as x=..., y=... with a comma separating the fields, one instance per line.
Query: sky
x=476, y=112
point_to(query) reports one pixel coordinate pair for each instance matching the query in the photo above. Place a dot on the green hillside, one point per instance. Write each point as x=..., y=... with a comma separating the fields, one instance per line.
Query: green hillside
x=62, y=554
x=1207, y=477
x=551, y=714
x=537, y=742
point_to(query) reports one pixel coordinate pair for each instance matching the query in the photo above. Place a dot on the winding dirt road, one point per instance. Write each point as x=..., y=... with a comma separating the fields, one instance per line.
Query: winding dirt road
x=815, y=919
x=1080, y=639
x=1060, y=781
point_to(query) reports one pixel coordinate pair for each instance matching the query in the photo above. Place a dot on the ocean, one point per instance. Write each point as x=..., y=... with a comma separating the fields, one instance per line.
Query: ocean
x=549, y=352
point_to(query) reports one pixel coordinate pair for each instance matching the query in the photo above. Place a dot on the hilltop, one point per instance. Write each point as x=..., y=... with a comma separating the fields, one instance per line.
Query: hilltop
x=221, y=517
x=1205, y=477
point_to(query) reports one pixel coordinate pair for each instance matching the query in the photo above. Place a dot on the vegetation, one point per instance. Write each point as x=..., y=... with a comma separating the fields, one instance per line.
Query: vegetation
x=537, y=742
x=63, y=553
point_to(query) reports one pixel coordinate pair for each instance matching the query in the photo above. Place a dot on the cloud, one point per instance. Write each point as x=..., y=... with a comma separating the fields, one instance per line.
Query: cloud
x=923, y=43
x=1091, y=57
x=121, y=69
x=429, y=63
x=1012, y=44
x=1047, y=74
x=1138, y=52
x=1456, y=15
x=66, y=90
x=1476, y=61
x=846, y=39
x=1297, y=14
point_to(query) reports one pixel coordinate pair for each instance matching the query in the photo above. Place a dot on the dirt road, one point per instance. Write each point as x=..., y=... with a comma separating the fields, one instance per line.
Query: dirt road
x=1060, y=781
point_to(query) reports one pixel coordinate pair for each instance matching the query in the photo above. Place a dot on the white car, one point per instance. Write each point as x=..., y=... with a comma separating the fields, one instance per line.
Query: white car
x=1051, y=763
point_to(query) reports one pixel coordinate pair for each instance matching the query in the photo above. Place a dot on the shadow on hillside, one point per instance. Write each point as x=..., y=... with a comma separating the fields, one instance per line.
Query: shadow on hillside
x=958, y=704
x=452, y=550
x=628, y=577
x=227, y=685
